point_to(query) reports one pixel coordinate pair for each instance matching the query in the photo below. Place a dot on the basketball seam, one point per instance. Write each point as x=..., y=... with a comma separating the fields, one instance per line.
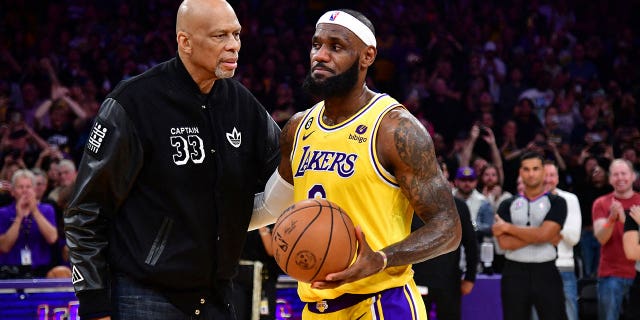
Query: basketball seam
x=276, y=227
x=280, y=221
x=286, y=221
x=285, y=217
x=293, y=247
x=326, y=250
x=344, y=221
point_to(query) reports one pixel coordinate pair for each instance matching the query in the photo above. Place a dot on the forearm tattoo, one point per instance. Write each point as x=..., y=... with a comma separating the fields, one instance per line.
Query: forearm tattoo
x=427, y=190
x=425, y=187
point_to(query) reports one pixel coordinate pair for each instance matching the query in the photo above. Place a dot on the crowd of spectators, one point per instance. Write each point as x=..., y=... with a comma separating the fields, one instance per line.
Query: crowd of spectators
x=558, y=77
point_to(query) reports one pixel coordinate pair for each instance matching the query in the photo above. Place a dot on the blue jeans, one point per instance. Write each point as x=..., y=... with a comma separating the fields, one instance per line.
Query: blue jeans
x=570, y=284
x=590, y=251
x=611, y=292
x=133, y=301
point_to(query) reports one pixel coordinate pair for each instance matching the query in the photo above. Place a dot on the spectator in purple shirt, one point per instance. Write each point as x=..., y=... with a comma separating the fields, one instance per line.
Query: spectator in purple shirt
x=27, y=230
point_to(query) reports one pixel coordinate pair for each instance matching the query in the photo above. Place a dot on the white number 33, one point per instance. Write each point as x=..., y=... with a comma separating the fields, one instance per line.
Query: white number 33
x=189, y=148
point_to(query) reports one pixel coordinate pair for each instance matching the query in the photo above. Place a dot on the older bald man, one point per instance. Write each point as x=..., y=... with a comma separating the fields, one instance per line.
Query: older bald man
x=165, y=190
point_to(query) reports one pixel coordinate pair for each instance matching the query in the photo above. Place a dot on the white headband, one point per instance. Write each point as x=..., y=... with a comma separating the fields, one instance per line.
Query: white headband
x=348, y=21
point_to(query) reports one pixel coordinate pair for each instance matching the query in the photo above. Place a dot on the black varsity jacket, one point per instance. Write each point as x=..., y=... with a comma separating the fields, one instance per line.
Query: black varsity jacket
x=165, y=188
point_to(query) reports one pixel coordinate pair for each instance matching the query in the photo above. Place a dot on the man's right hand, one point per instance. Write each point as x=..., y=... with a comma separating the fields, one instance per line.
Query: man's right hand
x=474, y=133
x=616, y=212
x=466, y=287
x=23, y=206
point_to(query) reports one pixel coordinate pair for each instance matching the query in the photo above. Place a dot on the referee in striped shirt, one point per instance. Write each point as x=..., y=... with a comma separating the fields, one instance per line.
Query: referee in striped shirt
x=526, y=226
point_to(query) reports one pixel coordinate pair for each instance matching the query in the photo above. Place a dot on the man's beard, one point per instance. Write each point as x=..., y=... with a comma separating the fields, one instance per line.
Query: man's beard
x=223, y=74
x=337, y=85
x=533, y=184
x=465, y=193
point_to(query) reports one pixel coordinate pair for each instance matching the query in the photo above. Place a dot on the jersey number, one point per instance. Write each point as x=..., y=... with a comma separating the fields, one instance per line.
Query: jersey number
x=189, y=148
x=317, y=191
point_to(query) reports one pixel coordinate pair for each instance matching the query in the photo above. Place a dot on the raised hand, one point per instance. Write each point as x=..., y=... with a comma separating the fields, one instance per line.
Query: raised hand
x=616, y=212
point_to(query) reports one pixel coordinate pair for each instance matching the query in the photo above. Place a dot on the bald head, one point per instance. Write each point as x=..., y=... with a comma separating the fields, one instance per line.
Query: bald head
x=208, y=36
x=192, y=13
x=622, y=177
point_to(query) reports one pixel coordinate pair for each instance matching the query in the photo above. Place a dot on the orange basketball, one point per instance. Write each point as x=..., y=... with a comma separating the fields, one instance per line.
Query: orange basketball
x=313, y=238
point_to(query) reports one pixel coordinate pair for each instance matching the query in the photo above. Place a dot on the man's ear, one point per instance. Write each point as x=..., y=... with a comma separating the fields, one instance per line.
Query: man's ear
x=184, y=43
x=369, y=56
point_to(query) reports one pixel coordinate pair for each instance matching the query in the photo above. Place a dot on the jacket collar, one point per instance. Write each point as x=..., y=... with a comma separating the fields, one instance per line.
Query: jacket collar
x=184, y=78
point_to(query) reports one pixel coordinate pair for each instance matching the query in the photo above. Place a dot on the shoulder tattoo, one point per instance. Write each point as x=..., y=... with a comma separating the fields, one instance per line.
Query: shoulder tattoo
x=415, y=148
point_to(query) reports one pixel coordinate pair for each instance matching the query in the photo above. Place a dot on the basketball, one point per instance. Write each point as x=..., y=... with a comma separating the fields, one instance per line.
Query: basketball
x=312, y=238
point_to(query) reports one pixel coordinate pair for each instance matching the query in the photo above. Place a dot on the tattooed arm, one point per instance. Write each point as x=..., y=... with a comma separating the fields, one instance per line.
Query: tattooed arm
x=405, y=149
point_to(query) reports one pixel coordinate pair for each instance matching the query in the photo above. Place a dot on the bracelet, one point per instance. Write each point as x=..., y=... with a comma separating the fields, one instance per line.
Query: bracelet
x=384, y=259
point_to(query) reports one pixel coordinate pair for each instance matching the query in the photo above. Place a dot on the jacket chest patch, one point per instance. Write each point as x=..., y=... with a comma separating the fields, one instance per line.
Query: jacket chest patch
x=187, y=145
x=234, y=138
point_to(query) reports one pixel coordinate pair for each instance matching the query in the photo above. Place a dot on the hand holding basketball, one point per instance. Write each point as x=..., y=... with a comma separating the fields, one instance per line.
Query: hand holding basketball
x=313, y=238
x=368, y=262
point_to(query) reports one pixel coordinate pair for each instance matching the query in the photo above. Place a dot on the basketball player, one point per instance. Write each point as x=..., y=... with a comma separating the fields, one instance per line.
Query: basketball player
x=364, y=151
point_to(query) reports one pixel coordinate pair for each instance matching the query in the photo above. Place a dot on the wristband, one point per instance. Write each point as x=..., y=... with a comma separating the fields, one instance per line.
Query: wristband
x=384, y=259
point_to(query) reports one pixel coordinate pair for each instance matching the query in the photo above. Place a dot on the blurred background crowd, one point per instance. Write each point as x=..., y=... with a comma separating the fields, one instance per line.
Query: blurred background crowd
x=489, y=79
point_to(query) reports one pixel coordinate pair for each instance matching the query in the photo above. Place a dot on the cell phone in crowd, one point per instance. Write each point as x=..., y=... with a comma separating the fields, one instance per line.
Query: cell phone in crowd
x=483, y=130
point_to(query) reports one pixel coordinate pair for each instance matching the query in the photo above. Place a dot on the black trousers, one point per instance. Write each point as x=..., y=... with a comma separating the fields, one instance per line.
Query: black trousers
x=532, y=284
x=632, y=307
x=446, y=300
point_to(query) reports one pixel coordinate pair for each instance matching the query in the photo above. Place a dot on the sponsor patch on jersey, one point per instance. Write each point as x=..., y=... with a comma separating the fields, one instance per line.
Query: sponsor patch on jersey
x=361, y=129
x=98, y=138
x=357, y=136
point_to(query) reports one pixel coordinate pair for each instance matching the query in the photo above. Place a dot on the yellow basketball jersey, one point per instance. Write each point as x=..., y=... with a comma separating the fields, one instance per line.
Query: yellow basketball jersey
x=339, y=163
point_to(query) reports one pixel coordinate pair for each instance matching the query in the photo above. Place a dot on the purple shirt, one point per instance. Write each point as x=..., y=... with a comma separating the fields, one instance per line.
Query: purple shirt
x=29, y=235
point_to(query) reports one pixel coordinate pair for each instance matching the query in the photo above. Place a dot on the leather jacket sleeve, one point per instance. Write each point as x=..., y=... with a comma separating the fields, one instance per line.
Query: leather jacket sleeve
x=271, y=150
x=111, y=161
x=469, y=241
